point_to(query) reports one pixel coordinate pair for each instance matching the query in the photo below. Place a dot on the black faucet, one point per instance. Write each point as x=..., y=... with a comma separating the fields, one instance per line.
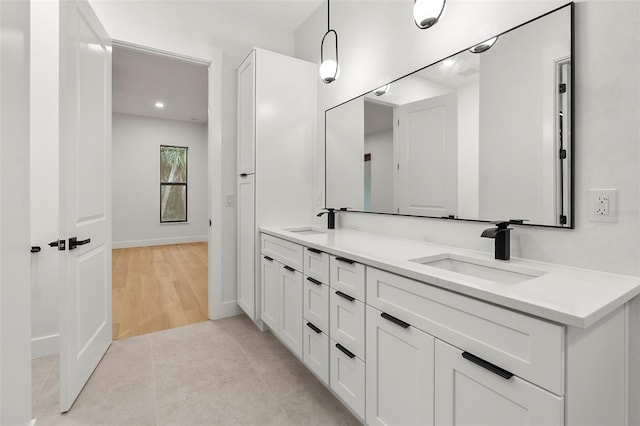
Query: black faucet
x=331, y=217
x=502, y=236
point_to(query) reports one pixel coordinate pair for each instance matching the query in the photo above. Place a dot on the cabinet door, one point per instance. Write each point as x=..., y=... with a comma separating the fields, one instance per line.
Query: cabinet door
x=346, y=377
x=399, y=372
x=291, y=327
x=246, y=115
x=316, y=304
x=271, y=293
x=467, y=394
x=246, y=288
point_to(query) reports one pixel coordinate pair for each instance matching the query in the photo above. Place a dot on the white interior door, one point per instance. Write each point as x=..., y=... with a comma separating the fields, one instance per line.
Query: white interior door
x=427, y=156
x=85, y=196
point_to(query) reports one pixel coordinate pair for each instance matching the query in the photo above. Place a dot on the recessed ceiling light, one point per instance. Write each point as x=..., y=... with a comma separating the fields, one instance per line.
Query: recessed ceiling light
x=159, y=105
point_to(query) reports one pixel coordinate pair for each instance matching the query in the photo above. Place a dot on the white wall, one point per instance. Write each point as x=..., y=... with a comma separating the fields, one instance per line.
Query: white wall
x=380, y=146
x=468, y=151
x=511, y=176
x=136, y=144
x=15, y=314
x=44, y=183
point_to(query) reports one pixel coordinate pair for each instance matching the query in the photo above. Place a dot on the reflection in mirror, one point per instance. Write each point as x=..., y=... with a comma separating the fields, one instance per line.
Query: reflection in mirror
x=478, y=136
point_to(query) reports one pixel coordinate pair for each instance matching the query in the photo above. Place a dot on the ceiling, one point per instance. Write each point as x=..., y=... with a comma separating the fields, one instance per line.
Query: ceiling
x=141, y=79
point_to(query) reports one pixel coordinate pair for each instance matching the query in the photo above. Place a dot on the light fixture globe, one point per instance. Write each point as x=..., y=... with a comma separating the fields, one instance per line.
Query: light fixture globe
x=484, y=46
x=329, y=71
x=426, y=13
x=382, y=90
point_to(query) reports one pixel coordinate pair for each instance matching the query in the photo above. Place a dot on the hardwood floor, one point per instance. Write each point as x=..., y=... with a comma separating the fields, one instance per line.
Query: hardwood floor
x=157, y=288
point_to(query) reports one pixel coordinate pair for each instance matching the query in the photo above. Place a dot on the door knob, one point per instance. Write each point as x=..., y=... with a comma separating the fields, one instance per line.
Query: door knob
x=74, y=242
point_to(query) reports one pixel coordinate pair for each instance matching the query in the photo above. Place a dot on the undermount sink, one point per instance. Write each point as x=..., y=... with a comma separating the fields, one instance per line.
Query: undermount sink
x=478, y=268
x=306, y=231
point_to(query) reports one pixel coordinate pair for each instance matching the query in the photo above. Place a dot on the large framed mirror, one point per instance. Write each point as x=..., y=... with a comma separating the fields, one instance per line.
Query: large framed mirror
x=484, y=134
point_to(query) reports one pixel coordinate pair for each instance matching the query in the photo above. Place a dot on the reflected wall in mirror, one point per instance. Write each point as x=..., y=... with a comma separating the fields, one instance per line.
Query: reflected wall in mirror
x=477, y=136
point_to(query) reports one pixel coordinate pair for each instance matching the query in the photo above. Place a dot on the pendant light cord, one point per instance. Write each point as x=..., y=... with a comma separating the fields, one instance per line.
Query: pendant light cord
x=328, y=15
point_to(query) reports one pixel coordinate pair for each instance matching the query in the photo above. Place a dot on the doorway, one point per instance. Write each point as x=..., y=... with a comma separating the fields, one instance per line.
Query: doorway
x=160, y=191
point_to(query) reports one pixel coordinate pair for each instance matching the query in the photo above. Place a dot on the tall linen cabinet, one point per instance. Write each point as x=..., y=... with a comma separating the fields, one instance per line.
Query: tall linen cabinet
x=276, y=143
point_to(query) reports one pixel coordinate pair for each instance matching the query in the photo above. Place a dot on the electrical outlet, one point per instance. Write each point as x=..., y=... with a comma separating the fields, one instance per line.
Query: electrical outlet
x=603, y=205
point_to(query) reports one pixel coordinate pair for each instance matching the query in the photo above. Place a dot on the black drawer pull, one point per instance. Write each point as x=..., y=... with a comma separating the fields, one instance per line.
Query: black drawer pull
x=312, y=250
x=268, y=258
x=289, y=268
x=345, y=260
x=244, y=174
x=313, y=280
x=395, y=320
x=314, y=328
x=345, y=296
x=487, y=365
x=345, y=351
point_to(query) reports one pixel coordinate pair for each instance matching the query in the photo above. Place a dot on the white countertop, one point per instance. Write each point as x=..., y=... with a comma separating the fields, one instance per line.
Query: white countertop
x=571, y=296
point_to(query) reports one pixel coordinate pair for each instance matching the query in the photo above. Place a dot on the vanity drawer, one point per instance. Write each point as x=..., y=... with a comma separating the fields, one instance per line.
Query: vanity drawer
x=347, y=377
x=526, y=346
x=347, y=276
x=315, y=349
x=347, y=323
x=283, y=251
x=316, y=264
x=316, y=303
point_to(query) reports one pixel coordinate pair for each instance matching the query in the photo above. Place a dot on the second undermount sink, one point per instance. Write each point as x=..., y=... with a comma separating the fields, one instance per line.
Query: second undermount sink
x=479, y=268
x=306, y=231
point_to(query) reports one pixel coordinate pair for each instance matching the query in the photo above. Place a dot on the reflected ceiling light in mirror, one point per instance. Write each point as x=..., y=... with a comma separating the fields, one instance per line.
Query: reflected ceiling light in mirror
x=382, y=90
x=484, y=46
x=329, y=69
x=426, y=13
x=159, y=105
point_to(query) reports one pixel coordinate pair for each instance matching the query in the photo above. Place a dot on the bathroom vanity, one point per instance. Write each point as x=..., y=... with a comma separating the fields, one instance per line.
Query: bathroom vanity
x=407, y=332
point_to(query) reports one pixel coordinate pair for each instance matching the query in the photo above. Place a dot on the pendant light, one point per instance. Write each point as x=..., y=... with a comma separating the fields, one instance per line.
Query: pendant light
x=329, y=68
x=382, y=90
x=426, y=13
x=484, y=46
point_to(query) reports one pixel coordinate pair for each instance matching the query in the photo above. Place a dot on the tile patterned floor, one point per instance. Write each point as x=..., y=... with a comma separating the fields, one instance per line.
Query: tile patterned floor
x=223, y=372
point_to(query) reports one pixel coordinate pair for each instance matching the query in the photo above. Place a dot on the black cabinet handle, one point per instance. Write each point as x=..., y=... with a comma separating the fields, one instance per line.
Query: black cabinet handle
x=345, y=351
x=487, y=365
x=314, y=328
x=268, y=258
x=289, y=268
x=312, y=250
x=35, y=249
x=345, y=260
x=345, y=296
x=243, y=175
x=313, y=280
x=395, y=320
x=74, y=242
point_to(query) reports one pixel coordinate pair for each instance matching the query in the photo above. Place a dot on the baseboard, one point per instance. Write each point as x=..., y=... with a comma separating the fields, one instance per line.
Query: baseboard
x=159, y=241
x=45, y=346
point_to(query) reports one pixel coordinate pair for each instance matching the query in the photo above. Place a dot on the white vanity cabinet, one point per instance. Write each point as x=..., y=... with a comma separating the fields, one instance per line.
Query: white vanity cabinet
x=399, y=372
x=276, y=140
x=282, y=290
x=467, y=394
x=347, y=324
x=316, y=313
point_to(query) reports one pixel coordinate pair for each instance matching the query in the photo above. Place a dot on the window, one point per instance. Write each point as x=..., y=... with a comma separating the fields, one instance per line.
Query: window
x=173, y=184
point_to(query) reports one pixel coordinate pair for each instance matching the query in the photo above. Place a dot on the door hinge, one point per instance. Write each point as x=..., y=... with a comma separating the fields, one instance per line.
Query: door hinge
x=563, y=154
x=563, y=219
x=562, y=88
x=398, y=122
x=398, y=166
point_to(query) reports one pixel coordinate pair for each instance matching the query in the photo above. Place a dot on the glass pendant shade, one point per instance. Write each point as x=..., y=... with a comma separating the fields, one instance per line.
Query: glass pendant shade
x=382, y=90
x=426, y=13
x=484, y=46
x=329, y=71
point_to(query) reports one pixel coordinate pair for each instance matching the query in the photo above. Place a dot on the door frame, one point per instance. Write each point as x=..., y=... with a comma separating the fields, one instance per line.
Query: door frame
x=212, y=58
